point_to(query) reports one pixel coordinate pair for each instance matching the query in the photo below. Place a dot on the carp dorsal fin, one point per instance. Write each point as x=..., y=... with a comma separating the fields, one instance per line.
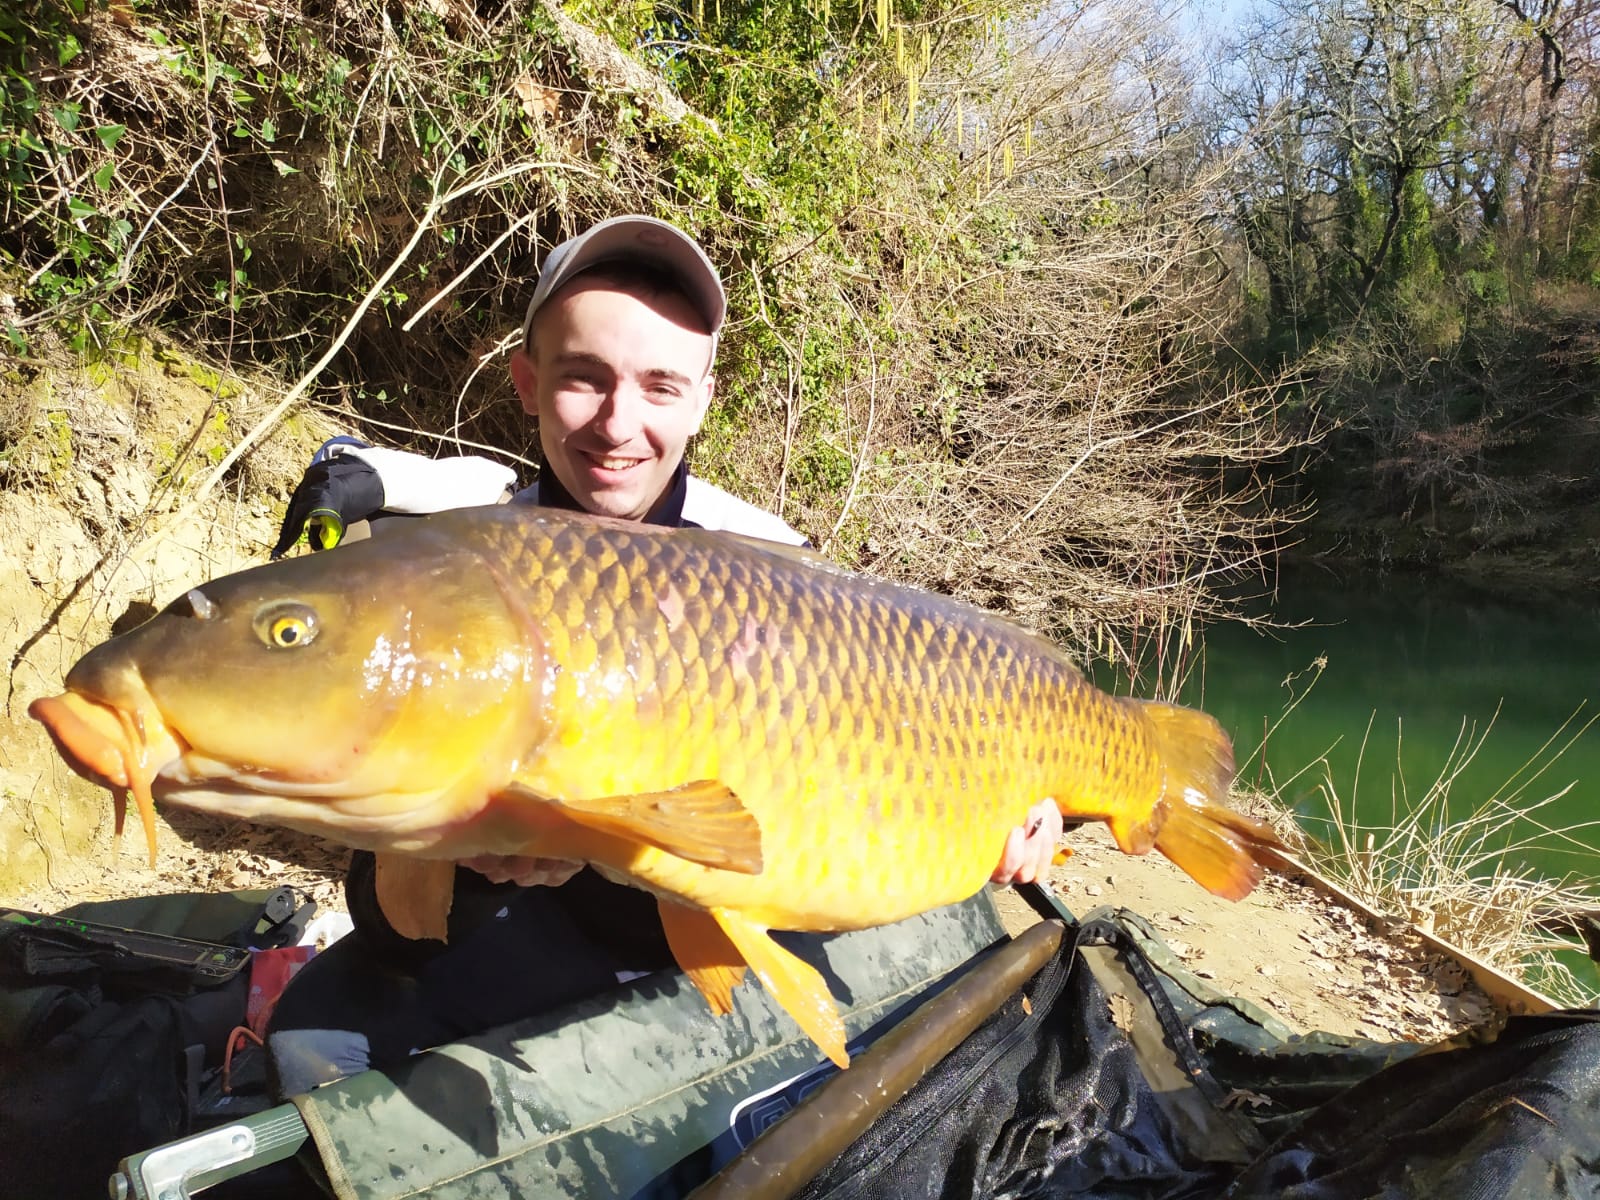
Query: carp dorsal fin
x=704, y=953
x=702, y=822
x=797, y=986
x=415, y=894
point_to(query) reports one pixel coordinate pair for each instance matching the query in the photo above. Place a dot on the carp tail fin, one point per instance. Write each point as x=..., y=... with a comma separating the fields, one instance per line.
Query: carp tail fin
x=797, y=986
x=702, y=822
x=703, y=951
x=1219, y=848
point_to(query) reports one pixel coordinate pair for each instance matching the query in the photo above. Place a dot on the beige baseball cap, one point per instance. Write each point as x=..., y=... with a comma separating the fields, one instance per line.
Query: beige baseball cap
x=634, y=238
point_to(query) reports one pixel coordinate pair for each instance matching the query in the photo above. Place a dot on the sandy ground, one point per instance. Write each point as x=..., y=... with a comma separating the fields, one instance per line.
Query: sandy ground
x=1308, y=960
x=194, y=853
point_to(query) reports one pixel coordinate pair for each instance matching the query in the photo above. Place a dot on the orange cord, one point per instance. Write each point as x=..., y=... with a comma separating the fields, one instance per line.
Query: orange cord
x=227, y=1055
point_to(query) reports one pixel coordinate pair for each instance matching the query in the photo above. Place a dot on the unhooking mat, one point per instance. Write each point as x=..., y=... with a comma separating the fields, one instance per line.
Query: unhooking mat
x=1113, y=1074
x=1125, y=1077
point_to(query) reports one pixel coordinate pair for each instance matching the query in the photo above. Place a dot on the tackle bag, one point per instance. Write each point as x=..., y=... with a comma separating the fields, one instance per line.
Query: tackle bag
x=110, y=1042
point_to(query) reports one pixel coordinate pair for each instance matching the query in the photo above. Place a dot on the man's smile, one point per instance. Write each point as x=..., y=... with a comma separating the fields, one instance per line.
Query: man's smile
x=611, y=462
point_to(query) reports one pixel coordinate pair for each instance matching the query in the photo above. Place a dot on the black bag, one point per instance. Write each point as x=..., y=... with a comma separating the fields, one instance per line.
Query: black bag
x=105, y=1052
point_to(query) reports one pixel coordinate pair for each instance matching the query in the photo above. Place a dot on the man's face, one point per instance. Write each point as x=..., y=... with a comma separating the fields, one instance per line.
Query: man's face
x=619, y=382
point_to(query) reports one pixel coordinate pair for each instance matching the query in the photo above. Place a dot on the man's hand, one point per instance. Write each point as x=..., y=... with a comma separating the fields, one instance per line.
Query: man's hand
x=1031, y=846
x=524, y=872
x=333, y=494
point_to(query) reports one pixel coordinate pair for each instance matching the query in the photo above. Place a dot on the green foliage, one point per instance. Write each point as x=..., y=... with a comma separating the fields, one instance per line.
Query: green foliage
x=932, y=317
x=1409, y=228
x=57, y=156
x=1414, y=258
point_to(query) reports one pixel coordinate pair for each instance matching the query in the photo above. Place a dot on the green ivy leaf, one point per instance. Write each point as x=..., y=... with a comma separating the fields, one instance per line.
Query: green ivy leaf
x=102, y=177
x=110, y=135
x=284, y=168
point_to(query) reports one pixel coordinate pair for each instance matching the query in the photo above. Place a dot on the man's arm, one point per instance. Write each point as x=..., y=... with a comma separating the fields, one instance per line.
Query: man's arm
x=349, y=481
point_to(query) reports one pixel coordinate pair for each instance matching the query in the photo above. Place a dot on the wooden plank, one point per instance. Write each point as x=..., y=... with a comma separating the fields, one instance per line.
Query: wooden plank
x=1512, y=995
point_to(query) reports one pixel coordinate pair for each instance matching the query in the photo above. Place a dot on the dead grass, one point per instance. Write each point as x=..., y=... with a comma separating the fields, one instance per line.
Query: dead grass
x=1460, y=869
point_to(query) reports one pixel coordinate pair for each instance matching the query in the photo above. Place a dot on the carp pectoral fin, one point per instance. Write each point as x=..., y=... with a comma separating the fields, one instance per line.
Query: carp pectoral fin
x=712, y=962
x=415, y=894
x=798, y=987
x=702, y=822
x=1137, y=837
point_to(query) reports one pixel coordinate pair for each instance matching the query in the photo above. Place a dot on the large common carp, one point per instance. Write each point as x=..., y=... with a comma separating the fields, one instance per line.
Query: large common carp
x=760, y=738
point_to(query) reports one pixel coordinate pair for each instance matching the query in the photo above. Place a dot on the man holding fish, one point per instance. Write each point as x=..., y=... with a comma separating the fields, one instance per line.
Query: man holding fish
x=616, y=366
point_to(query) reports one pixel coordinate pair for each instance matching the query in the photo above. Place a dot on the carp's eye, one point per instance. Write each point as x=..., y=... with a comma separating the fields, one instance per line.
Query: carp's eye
x=285, y=626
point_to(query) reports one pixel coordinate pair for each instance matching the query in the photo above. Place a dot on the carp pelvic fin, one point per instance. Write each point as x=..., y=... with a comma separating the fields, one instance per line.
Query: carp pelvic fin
x=702, y=822
x=712, y=962
x=1219, y=848
x=797, y=986
x=415, y=894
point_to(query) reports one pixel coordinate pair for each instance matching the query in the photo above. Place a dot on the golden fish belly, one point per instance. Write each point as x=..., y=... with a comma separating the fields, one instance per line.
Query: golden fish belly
x=885, y=739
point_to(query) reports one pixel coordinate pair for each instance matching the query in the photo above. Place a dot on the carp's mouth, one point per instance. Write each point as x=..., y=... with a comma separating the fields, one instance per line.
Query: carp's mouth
x=128, y=752
x=114, y=747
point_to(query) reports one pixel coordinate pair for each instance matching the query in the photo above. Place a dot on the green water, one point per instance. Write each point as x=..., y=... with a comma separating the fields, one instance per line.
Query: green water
x=1412, y=667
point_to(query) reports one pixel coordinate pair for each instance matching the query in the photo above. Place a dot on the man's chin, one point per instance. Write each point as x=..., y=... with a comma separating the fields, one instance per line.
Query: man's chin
x=626, y=503
x=623, y=508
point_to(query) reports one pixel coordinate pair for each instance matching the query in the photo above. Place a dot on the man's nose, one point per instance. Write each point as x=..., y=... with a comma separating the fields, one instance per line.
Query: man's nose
x=620, y=415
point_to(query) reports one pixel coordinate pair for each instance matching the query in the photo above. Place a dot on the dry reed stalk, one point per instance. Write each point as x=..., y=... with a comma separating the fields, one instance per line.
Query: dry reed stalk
x=1460, y=876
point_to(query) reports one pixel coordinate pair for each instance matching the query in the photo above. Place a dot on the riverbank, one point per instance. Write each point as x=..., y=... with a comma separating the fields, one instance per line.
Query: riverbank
x=1312, y=962
x=1315, y=964
x=1388, y=708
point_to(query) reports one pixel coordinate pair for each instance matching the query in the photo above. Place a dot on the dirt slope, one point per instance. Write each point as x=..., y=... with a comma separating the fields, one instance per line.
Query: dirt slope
x=97, y=459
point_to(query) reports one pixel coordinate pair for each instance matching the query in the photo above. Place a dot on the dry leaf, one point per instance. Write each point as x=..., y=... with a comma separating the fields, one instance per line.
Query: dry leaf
x=1238, y=1098
x=1121, y=1011
x=537, y=100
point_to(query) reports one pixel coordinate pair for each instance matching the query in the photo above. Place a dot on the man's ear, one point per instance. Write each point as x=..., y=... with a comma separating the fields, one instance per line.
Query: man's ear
x=525, y=378
x=708, y=388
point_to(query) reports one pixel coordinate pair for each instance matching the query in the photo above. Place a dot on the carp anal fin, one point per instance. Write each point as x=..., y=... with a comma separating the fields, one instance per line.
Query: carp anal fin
x=702, y=822
x=797, y=986
x=1219, y=848
x=415, y=894
x=703, y=951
